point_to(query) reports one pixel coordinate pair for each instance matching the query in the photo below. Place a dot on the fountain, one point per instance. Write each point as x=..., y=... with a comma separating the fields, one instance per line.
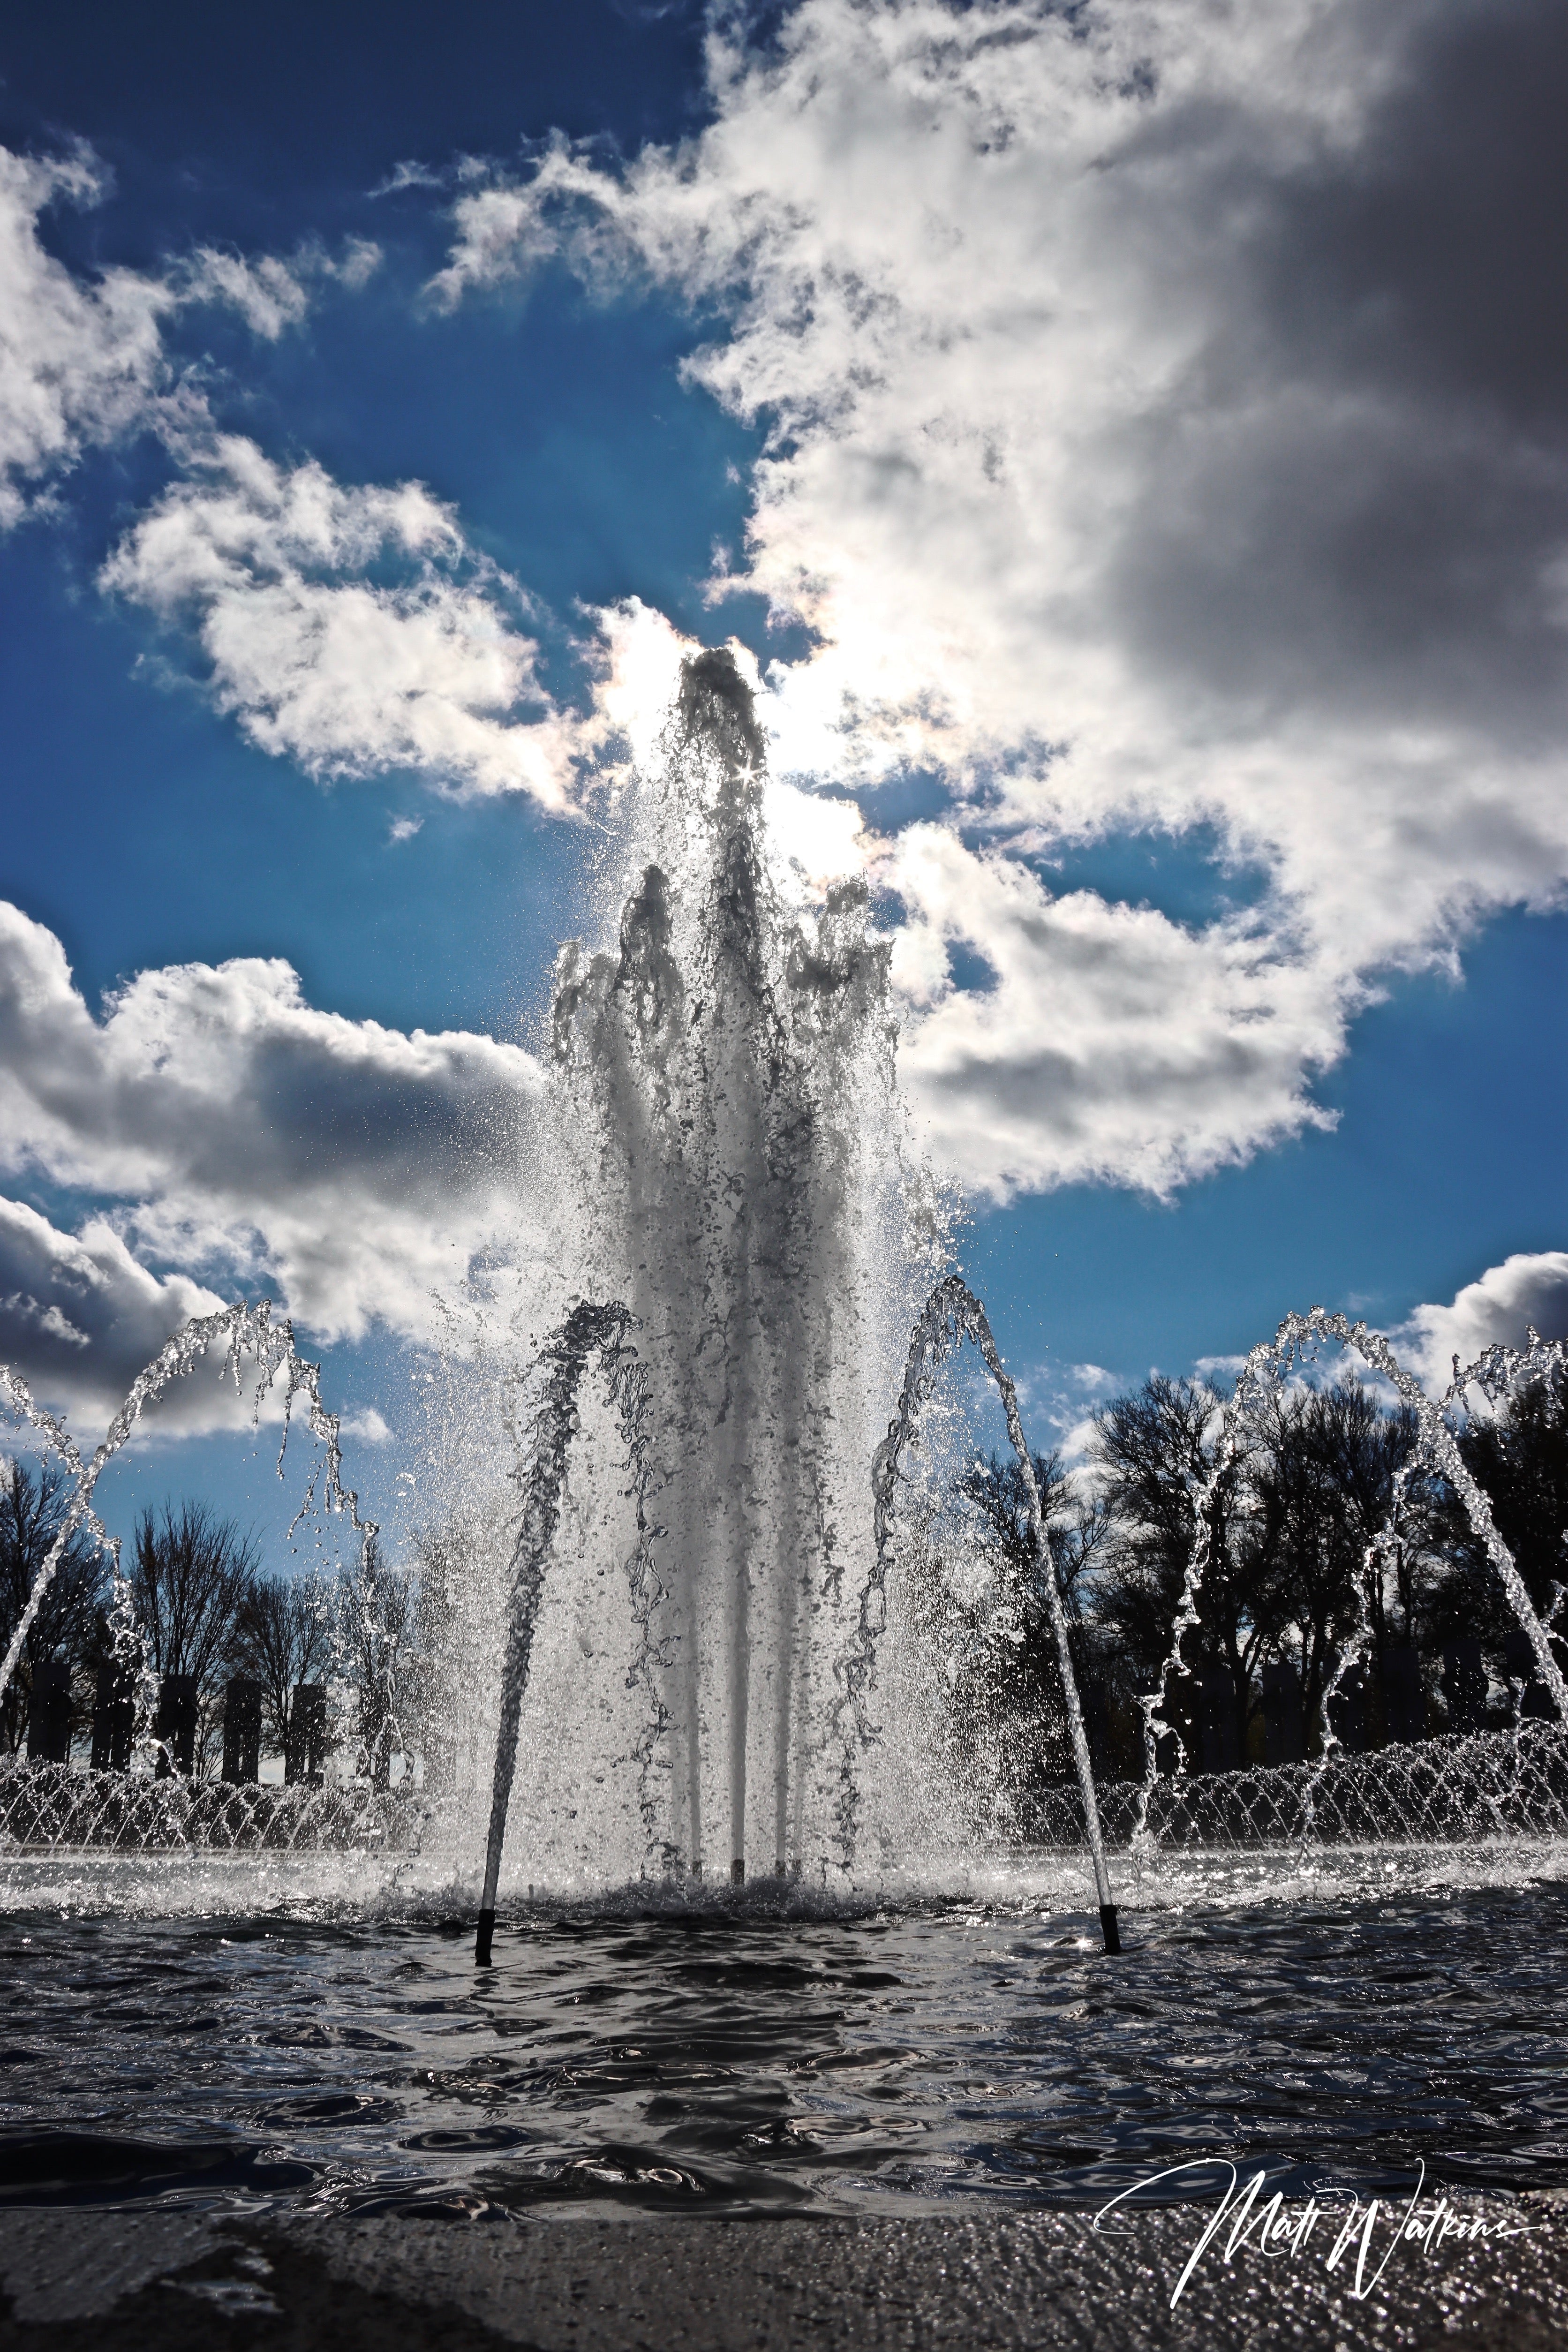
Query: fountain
x=684, y=1454
x=701, y=1533
x=724, y=1091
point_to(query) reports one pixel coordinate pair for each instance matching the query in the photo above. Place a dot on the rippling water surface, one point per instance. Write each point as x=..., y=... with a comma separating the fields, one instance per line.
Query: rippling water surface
x=736, y=2060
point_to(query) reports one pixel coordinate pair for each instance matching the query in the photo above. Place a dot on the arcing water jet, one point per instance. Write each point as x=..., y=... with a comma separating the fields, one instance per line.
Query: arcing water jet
x=952, y=1314
x=550, y=1425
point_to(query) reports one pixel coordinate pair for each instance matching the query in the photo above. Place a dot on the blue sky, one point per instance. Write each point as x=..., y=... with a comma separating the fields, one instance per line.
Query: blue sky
x=1241, y=802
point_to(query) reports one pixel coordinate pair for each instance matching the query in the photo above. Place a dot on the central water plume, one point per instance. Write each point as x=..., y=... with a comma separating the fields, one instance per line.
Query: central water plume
x=725, y=1087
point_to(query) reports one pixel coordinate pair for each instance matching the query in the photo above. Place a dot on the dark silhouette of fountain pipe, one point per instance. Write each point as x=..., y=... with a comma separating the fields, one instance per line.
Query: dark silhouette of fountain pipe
x=553, y=1421
x=952, y=1314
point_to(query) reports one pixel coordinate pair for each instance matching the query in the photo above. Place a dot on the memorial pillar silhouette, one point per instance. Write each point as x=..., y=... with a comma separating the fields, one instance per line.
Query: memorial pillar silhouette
x=242, y=1732
x=49, y=1714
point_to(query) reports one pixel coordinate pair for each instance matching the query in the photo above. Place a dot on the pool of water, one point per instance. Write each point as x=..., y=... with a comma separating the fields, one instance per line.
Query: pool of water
x=736, y=2059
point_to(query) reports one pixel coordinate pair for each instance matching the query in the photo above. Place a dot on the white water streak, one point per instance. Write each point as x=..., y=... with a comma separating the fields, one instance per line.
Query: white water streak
x=952, y=1314
x=1498, y=1369
x=245, y=1331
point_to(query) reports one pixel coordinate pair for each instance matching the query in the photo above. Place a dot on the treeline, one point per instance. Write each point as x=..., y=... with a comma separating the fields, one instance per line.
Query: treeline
x=220, y=1651
x=1326, y=1521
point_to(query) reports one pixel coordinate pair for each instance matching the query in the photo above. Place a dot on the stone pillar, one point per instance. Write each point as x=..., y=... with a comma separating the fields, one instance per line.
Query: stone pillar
x=113, y=1718
x=1404, y=1699
x=49, y=1714
x=1465, y=1686
x=305, y=1748
x=242, y=1732
x=175, y=1725
x=1282, y=1739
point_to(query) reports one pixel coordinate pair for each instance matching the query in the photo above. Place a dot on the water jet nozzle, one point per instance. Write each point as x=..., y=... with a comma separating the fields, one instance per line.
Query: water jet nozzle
x=738, y=1872
x=482, y=1940
x=1108, y=1922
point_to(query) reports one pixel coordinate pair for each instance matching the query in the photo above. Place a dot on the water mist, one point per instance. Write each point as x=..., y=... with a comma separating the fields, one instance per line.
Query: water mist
x=724, y=1143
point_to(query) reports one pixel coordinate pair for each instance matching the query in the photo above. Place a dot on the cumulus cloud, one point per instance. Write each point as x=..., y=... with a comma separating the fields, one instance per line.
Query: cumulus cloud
x=79, y=363
x=83, y=361
x=276, y=569
x=355, y=629
x=1167, y=426
x=1110, y=1041
x=80, y=1316
x=1529, y=1290
x=367, y=1427
x=347, y=1168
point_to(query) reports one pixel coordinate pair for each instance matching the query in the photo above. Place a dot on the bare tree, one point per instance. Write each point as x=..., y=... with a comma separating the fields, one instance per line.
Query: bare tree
x=284, y=1640
x=1321, y=1483
x=1301, y=1532
x=33, y=1505
x=1075, y=1524
x=1156, y=1451
x=191, y=1578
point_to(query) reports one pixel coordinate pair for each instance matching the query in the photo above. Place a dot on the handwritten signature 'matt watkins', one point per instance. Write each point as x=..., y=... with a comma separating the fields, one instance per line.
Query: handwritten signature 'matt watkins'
x=1331, y=2226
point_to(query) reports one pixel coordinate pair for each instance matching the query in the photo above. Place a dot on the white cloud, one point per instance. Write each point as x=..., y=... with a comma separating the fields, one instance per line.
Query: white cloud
x=1166, y=428
x=345, y=1167
x=79, y=363
x=1528, y=1289
x=637, y=672
x=83, y=362
x=816, y=839
x=366, y=1427
x=409, y=174
x=353, y=629
x=270, y=293
x=80, y=1316
x=320, y=661
x=502, y=231
x=1111, y=1043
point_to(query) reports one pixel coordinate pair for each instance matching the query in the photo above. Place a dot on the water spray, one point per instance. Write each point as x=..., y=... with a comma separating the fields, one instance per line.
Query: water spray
x=244, y=1331
x=720, y=1129
x=952, y=1315
x=550, y=1425
x=1495, y=1372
